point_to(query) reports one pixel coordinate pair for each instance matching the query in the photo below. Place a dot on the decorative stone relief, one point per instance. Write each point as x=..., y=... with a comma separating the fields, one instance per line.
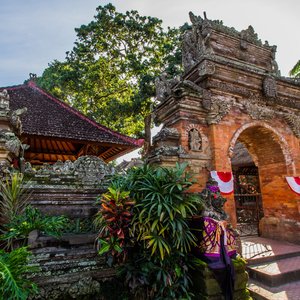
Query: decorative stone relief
x=195, y=140
x=163, y=86
x=259, y=112
x=4, y=103
x=294, y=122
x=248, y=35
x=269, y=87
x=12, y=142
x=168, y=151
x=90, y=169
x=166, y=133
x=190, y=54
x=201, y=144
x=206, y=68
x=218, y=109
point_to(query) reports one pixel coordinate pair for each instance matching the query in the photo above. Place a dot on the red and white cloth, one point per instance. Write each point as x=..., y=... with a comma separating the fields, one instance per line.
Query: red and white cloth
x=224, y=180
x=294, y=183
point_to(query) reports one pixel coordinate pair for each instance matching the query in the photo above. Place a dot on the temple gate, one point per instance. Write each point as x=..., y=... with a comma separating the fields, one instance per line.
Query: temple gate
x=231, y=93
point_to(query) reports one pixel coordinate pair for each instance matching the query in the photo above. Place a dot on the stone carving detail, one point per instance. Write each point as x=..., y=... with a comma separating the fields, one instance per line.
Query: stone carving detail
x=4, y=103
x=269, y=87
x=190, y=54
x=216, y=110
x=13, y=143
x=195, y=140
x=163, y=86
x=87, y=170
x=259, y=112
x=206, y=68
x=15, y=119
x=169, y=150
x=275, y=69
x=248, y=35
x=196, y=42
x=166, y=133
x=294, y=122
x=90, y=169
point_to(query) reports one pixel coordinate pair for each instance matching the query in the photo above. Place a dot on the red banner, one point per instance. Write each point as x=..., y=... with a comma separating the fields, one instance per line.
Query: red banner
x=224, y=180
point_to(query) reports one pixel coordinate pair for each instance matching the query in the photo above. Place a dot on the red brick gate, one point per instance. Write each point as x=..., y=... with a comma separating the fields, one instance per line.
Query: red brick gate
x=231, y=92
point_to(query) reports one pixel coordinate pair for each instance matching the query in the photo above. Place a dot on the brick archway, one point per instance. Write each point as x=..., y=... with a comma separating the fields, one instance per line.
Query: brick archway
x=270, y=154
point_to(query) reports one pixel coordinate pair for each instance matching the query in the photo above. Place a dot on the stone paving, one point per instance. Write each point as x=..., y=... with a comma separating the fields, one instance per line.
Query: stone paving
x=274, y=257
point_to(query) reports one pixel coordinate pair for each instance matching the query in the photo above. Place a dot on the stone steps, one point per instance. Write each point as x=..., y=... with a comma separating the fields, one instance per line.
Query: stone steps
x=276, y=273
x=274, y=269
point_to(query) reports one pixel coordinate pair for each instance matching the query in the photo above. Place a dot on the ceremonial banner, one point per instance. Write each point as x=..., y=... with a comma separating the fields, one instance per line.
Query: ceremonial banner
x=294, y=184
x=224, y=180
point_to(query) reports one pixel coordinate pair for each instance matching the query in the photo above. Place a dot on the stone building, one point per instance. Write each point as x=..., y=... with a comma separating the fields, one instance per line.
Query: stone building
x=232, y=111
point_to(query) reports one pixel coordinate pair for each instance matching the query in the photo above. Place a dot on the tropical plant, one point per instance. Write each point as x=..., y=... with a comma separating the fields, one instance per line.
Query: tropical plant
x=113, y=220
x=295, y=72
x=32, y=219
x=13, y=270
x=159, y=261
x=13, y=197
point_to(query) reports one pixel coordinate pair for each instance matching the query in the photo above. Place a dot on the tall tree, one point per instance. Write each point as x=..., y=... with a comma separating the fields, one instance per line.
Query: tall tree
x=109, y=75
x=295, y=72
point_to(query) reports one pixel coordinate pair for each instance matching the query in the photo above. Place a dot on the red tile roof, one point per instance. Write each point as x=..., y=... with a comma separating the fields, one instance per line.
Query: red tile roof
x=48, y=116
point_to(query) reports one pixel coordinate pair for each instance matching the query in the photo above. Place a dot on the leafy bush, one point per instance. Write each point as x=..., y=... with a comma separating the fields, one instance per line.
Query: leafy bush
x=13, y=269
x=159, y=260
x=113, y=221
x=32, y=219
x=14, y=197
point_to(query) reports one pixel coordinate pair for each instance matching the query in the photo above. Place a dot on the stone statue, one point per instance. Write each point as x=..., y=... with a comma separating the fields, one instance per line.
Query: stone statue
x=195, y=141
x=4, y=102
x=15, y=119
x=213, y=201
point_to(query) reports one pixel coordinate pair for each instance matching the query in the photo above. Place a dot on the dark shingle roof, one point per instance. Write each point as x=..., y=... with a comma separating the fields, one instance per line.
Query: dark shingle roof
x=48, y=116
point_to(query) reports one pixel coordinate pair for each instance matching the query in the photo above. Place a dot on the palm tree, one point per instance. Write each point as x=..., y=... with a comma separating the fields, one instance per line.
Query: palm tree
x=295, y=72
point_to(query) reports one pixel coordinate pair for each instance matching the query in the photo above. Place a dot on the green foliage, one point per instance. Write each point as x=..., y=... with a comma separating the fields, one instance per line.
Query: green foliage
x=33, y=219
x=13, y=197
x=13, y=269
x=159, y=233
x=295, y=72
x=109, y=74
x=113, y=220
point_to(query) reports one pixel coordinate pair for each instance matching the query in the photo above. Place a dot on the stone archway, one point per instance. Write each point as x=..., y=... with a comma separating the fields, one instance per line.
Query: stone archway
x=270, y=154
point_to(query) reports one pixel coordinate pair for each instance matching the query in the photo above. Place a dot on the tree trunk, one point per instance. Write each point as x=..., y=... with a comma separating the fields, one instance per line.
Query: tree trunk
x=147, y=142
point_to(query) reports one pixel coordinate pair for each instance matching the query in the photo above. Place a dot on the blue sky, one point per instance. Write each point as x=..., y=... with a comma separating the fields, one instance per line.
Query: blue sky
x=35, y=32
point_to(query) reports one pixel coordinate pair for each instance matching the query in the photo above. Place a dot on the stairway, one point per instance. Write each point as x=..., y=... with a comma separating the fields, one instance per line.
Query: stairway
x=273, y=267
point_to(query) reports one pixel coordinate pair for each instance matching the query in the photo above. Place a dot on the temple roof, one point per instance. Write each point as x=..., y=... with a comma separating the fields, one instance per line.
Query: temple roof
x=48, y=118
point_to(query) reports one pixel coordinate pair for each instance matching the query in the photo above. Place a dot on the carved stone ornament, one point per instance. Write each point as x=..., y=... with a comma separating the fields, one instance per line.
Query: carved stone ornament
x=269, y=87
x=195, y=140
x=4, y=103
x=218, y=109
x=166, y=133
x=163, y=86
x=249, y=35
x=206, y=68
x=294, y=122
x=259, y=112
x=15, y=119
x=190, y=54
x=90, y=169
x=168, y=151
x=12, y=142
